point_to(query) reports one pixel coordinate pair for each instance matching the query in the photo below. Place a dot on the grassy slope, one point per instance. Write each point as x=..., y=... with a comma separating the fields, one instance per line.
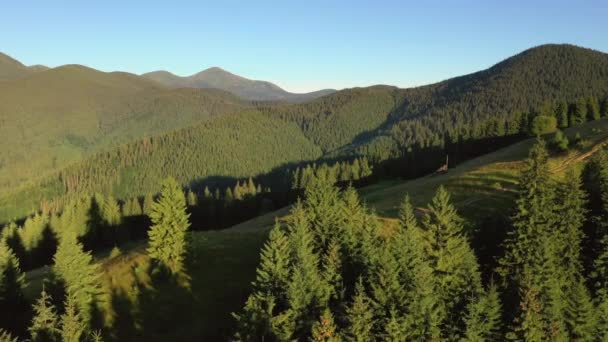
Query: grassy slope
x=223, y=262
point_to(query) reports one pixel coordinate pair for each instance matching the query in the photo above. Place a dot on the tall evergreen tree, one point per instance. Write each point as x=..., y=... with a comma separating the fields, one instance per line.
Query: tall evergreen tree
x=45, y=324
x=167, y=236
x=561, y=113
x=447, y=251
x=483, y=320
x=75, y=268
x=12, y=300
x=360, y=316
x=73, y=326
x=265, y=314
x=325, y=330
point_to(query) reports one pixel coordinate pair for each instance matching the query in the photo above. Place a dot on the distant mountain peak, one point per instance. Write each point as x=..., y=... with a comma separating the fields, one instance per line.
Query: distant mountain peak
x=217, y=77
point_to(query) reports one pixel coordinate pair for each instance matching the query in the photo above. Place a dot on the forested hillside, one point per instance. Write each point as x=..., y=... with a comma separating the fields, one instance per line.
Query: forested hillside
x=404, y=132
x=55, y=117
x=386, y=121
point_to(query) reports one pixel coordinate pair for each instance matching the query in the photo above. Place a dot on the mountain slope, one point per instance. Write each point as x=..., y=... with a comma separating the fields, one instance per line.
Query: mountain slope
x=11, y=69
x=379, y=122
x=220, y=149
x=245, y=88
x=54, y=117
x=394, y=120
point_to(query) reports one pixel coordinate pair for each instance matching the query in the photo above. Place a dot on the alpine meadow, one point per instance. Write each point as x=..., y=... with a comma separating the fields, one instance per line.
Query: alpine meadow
x=146, y=205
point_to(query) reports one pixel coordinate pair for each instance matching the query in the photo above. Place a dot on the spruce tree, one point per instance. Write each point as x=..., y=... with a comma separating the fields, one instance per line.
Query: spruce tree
x=483, y=320
x=73, y=325
x=446, y=249
x=305, y=290
x=325, y=330
x=534, y=218
x=593, y=108
x=148, y=203
x=6, y=336
x=12, y=300
x=45, y=325
x=192, y=198
x=111, y=212
x=167, y=235
x=75, y=268
x=360, y=316
x=265, y=314
x=561, y=113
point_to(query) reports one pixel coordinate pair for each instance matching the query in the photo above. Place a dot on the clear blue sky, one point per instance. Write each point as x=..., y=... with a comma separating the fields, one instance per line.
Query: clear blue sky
x=300, y=45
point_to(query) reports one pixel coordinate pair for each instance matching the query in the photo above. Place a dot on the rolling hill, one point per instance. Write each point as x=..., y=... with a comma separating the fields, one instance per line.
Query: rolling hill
x=11, y=69
x=242, y=87
x=55, y=117
x=379, y=122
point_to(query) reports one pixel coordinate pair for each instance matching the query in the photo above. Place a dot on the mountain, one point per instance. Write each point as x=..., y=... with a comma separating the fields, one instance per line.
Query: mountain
x=55, y=117
x=415, y=126
x=11, y=69
x=242, y=87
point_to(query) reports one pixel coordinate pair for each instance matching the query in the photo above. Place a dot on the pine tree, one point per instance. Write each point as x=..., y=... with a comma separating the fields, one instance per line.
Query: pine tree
x=111, y=212
x=593, y=108
x=304, y=291
x=604, y=108
x=45, y=325
x=483, y=320
x=581, y=318
x=578, y=112
x=393, y=330
x=148, y=203
x=79, y=275
x=561, y=113
x=360, y=315
x=12, y=300
x=6, y=336
x=264, y=312
x=72, y=323
x=192, y=199
x=530, y=325
x=167, y=236
x=446, y=249
x=325, y=330
x=534, y=218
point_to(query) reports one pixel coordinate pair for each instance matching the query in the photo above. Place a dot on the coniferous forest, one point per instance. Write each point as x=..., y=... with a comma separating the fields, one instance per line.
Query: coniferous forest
x=156, y=207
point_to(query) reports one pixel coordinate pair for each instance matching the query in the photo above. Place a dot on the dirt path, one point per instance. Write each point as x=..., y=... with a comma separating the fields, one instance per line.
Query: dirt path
x=580, y=157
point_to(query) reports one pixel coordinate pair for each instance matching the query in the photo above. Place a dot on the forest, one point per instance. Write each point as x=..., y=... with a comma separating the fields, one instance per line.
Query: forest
x=220, y=218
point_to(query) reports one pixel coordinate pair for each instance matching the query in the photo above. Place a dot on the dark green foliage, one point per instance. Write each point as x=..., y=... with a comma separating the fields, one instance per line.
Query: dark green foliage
x=360, y=315
x=415, y=284
x=604, y=108
x=484, y=320
x=542, y=125
x=593, y=108
x=543, y=259
x=560, y=141
x=324, y=330
x=12, y=300
x=561, y=114
x=167, y=235
x=578, y=112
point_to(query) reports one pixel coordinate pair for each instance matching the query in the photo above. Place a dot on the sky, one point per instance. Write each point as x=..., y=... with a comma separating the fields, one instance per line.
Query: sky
x=301, y=45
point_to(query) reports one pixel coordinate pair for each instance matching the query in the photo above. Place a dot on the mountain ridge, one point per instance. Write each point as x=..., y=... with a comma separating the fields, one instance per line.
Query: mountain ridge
x=216, y=77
